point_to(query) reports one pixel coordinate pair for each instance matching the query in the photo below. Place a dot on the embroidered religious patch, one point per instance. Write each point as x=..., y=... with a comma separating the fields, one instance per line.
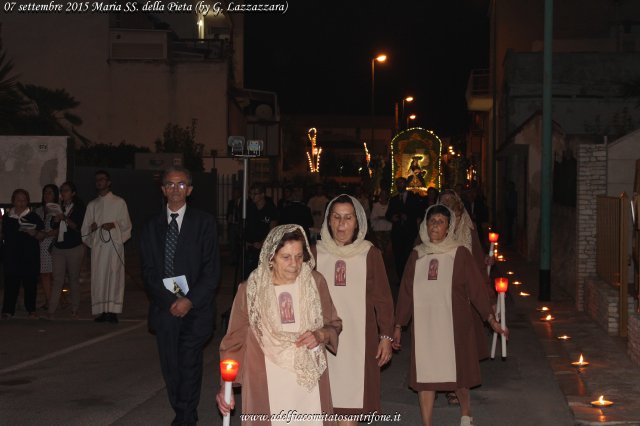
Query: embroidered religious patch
x=433, y=270
x=285, y=301
x=340, y=277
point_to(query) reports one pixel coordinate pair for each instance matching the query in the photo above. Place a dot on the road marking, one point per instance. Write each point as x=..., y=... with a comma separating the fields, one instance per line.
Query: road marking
x=71, y=349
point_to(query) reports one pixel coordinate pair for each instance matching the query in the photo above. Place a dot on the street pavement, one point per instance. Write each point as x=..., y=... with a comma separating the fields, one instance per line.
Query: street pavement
x=77, y=372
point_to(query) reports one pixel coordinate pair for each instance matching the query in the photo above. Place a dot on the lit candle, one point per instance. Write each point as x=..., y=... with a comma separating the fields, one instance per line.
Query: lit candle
x=581, y=362
x=510, y=272
x=524, y=294
x=501, y=285
x=547, y=318
x=517, y=283
x=229, y=371
x=493, y=239
x=544, y=309
x=564, y=337
x=601, y=402
x=501, y=258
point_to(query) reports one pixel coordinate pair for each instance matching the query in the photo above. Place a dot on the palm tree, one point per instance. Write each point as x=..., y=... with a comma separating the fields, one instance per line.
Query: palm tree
x=49, y=111
x=11, y=103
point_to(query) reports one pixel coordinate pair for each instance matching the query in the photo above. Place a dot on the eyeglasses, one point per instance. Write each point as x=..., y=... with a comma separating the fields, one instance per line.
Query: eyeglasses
x=175, y=185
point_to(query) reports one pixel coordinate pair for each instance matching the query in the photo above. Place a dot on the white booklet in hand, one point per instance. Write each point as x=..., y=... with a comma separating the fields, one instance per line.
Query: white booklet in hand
x=54, y=208
x=177, y=285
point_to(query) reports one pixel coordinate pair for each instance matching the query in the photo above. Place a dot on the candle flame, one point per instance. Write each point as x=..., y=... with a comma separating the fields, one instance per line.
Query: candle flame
x=523, y=294
x=601, y=399
x=228, y=366
x=544, y=308
x=517, y=282
x=581, y=360
x=563, y=337
x=548, y=317
x=510, y=272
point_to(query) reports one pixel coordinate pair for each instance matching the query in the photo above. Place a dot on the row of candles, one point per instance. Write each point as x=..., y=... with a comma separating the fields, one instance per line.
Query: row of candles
x=501, y=286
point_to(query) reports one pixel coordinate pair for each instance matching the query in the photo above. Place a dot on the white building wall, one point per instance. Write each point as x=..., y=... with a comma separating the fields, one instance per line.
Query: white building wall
x=119, y=101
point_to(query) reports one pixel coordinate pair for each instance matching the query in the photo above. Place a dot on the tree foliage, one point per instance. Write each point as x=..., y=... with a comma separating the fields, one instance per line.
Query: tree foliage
x=177, y=139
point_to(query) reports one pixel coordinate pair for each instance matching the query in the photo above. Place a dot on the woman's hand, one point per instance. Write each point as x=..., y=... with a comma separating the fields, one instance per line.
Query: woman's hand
x=310, y=339
x=384, y=352
x=495, y=325
x=397, y=335
x=223, y=407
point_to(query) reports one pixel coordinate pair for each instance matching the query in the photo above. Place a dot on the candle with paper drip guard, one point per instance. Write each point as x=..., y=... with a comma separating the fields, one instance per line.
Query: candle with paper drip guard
x=580, y=362
x=502, y=285
x=493, y=239
x=228, y=371
x=601, y=402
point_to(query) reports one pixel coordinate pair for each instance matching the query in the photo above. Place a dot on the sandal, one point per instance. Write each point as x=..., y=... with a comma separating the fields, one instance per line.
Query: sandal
x=452, y=399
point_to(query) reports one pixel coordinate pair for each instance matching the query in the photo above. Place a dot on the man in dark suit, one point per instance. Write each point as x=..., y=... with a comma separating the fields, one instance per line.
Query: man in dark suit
x=403, y=211
x=181, y=241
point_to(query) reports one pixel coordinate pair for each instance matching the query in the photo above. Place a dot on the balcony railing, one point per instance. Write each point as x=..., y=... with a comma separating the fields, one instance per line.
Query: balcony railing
x=146, y=45
x=479, y=97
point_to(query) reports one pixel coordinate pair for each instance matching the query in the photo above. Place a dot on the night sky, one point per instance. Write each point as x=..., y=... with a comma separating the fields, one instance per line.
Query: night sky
x=317, y=57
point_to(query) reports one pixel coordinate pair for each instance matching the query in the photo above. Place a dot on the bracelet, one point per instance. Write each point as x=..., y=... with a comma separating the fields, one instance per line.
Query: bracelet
x=385, y=337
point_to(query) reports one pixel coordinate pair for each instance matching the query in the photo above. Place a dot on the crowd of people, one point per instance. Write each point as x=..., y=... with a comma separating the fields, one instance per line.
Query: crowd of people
x=313, y=321
x=48, y=244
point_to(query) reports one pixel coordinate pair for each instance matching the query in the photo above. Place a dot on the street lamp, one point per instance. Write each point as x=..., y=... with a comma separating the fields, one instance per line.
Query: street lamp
x=409, y=118
x=401, y=118
x=379, y=58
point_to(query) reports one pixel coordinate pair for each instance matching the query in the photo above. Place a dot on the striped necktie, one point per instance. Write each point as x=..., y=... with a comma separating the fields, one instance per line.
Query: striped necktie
x=170, y=245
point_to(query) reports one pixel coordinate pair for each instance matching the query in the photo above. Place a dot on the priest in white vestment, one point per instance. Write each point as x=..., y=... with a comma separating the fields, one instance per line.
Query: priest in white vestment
x=105, y=229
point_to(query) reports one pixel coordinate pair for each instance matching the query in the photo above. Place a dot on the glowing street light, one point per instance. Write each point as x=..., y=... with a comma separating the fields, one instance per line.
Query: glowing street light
x=410, y=118
x=380, y=58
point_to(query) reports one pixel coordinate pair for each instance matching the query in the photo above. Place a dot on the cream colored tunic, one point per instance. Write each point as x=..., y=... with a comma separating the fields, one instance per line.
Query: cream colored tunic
x=347, y=282
x=433, y=311
x=296, y=397
x=107, y=251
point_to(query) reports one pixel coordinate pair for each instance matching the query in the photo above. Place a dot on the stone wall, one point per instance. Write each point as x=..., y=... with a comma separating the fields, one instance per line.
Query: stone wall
x=591, y=181
x=601, y=304
x=633, y=341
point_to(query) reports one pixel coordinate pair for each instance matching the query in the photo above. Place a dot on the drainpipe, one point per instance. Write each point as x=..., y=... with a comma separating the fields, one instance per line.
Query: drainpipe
x=546, y=188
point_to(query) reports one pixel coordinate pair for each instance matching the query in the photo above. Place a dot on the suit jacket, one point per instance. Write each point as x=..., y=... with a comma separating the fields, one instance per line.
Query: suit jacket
x=404, y=230
x=196, y=257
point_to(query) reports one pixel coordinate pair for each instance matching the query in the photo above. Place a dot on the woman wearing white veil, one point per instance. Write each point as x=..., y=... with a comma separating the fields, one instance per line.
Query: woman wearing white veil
x=437, y=291
x=281, y=322
x=359, y=287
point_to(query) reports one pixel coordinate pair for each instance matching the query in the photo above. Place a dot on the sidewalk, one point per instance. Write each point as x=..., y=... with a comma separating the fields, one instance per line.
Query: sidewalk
x=610, y=373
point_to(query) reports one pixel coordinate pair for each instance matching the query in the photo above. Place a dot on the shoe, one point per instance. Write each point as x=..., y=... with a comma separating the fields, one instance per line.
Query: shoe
x=112, y=318
x=452, y=399
x=466, y=421
x=101, y=318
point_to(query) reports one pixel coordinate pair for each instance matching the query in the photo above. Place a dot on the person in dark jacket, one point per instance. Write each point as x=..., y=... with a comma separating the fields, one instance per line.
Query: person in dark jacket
x=20, y=226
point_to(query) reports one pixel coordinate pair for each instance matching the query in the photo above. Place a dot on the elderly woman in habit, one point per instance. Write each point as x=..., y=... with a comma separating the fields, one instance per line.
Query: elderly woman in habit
x=281, y=322
x=437, y=290
x=359, y=288
x=465, y=232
